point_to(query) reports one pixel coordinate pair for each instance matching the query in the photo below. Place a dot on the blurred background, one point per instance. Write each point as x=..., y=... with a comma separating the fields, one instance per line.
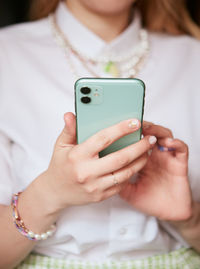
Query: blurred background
x=15, y=11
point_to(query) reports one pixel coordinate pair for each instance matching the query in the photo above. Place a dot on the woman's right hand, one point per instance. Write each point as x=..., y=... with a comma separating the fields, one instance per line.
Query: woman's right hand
x=77, y=176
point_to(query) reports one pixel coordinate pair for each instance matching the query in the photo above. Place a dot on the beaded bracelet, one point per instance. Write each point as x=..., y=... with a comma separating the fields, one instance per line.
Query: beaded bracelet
x=21, y=226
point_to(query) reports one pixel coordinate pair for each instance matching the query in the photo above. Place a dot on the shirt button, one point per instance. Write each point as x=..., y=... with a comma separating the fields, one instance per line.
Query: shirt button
x=122, y=231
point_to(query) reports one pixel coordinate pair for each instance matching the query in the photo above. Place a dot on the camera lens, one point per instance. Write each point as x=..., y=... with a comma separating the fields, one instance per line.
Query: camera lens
x=85, y=90
x=85, y=100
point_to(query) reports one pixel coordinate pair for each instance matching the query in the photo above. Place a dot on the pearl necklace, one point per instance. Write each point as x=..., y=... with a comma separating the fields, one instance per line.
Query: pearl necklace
x=124, y=65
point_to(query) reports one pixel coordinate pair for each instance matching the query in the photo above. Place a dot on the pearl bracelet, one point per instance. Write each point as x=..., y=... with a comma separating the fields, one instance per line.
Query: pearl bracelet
x=21, y=226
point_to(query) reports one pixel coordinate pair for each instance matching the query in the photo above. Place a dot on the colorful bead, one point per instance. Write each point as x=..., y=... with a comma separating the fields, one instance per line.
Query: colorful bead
x=19, y=223
x=112, y=69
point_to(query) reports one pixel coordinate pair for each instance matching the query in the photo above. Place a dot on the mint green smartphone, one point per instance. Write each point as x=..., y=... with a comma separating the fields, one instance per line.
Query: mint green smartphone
x=102, y=102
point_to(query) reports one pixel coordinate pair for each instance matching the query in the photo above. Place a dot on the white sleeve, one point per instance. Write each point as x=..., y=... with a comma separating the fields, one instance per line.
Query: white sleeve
x=6, y=177
x=6, y=174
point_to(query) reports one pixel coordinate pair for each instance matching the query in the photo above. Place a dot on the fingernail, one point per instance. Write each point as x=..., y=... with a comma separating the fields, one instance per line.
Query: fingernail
x=152, y=140
x=134, y=124
x=170, y=139
x=165, y=149
x=150, y=152
x=161, y=148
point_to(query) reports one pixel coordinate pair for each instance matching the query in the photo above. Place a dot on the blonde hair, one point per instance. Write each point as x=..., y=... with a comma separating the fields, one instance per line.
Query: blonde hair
x=170, y=16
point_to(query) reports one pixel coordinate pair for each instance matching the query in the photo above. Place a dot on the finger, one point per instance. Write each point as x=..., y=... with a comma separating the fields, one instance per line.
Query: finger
x=178, y=147
x=146, y=124
x=106, y=137
x=157, y=131
x=113, y=191
x=120, y=159
x=122, y=175
x=68, y=135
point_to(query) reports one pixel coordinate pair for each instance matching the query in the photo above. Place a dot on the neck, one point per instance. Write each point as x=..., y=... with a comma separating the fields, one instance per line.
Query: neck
x=106, y=26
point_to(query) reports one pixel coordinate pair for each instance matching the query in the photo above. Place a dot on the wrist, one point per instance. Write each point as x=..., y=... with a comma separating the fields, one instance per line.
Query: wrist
x=21, y=226
x=191, y=222
x=36, y=207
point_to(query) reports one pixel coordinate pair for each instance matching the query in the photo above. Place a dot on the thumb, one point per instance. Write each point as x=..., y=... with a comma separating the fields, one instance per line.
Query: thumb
x=68, y=134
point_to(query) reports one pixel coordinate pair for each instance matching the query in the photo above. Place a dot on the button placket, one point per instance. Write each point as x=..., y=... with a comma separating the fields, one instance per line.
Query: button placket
x=123, y=231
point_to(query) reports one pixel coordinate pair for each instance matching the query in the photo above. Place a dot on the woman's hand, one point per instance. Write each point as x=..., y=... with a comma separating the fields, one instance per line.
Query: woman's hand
x=162, y=189
x=77, y=176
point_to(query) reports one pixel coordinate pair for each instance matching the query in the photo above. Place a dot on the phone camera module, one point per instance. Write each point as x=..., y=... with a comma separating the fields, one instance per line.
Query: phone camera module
x=85, y=90
x=85, y=100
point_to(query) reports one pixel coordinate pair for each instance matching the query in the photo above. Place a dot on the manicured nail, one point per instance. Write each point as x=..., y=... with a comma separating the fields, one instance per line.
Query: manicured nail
x=134, y=124
x=161, y=148
x=152, y=140
x=171, y=149
x=170, y=139
x=165, y=149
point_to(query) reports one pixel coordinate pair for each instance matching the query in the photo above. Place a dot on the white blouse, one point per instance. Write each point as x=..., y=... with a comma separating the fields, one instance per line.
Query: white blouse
x=36, y=89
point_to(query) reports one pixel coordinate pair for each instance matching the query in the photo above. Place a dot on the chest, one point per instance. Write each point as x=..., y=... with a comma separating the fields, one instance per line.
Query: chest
x=41, y=102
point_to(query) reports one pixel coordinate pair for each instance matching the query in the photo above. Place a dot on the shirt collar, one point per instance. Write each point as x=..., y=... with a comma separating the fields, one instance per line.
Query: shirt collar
x=87, y=42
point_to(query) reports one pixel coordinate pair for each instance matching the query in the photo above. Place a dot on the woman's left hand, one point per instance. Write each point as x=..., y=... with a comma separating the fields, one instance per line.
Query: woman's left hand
x=162, y=188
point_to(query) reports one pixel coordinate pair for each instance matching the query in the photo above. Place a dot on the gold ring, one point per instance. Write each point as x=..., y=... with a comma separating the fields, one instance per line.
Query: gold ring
x=115, y=180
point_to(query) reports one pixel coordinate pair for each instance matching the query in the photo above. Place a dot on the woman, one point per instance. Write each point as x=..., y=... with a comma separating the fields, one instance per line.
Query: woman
x=152, y=222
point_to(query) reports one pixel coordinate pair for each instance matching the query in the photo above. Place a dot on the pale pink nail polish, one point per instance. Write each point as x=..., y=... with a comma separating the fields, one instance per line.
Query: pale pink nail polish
x=152, y=140
x=134, y=124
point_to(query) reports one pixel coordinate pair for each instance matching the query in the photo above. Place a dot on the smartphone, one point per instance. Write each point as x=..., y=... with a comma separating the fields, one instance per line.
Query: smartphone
x=102, y=102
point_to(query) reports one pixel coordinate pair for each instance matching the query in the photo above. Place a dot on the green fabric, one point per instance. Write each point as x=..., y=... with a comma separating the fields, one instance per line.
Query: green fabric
x=180, y=259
